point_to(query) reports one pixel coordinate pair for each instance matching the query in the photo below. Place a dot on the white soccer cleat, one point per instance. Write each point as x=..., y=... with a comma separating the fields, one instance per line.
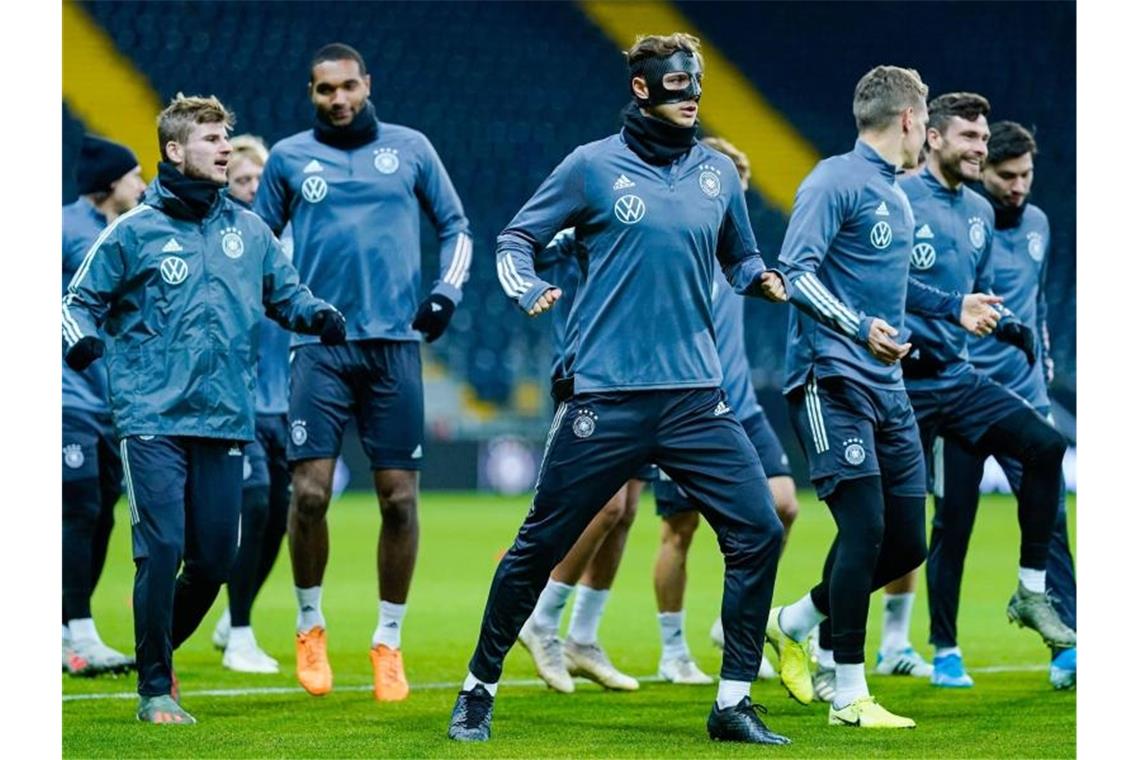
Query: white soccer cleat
x=221, y=636
x=590, y=661
x=92, y=657
x=716, y=633
x=767, y=672
x=246, y=656
x=682, y=670
x=904, y=662
x=546, y=650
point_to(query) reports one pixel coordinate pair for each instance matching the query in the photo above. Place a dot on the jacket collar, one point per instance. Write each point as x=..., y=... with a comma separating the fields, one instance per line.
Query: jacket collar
x=869, y=154
x=164, y=200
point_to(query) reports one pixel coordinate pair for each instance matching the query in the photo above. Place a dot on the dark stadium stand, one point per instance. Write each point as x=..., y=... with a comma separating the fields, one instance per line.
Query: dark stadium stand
x=505, y=90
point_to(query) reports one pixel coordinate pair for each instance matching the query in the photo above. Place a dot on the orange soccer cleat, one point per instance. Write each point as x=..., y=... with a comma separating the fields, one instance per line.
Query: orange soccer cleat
x=388, y=681
x=313, y=669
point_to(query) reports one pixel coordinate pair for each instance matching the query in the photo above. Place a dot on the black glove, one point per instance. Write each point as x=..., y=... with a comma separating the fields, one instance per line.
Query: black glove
x=86, y=350
x=330, y=323
x=433, y=316
x=1016, y=334
x=920, y=362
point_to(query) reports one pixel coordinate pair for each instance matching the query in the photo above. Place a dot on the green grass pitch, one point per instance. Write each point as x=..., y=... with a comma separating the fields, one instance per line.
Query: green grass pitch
x=1011, y=712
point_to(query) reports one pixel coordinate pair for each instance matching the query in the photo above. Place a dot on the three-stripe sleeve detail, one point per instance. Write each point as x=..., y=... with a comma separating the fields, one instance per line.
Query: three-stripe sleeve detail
x=513, y=284
x=457, y=270
x=827, y=304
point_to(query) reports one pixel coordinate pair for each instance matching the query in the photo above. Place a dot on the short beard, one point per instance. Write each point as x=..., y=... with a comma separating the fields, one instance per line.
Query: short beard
x=193, y=173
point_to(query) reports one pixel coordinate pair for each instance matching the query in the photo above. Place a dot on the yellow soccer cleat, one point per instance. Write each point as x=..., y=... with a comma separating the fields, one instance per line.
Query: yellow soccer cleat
x=865, y=712
x=313, y=670
x=793, y=666
x=388, y=681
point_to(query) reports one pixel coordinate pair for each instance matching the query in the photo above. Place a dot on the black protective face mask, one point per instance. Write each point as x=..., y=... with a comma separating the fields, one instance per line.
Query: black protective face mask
x=654, y=71
x=655, y=141
x=360, y=131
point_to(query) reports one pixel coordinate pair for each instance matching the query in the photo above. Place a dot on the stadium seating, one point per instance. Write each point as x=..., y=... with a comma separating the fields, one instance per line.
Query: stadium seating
x=505, y=90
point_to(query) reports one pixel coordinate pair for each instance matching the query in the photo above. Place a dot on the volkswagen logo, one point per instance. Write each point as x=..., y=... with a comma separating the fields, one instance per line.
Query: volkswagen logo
x=629, y=209
x=922, y=257
x=314, y=189
x=881, y=235
x=174, y=270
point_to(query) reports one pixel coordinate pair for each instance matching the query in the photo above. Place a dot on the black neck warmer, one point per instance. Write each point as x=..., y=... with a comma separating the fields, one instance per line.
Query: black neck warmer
x=360, y=131
x=655, y=141
x=197, y=195
x=1005, y=217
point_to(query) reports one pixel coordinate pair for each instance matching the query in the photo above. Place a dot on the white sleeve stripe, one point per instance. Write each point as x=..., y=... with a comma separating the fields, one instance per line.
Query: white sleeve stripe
x=509, y=287
x=81, y=272
x=71, y=329
x=835, y=302
x=456, y=261
x=824, y=307
x=511, y=273
x=820, y=295
x=524, y=284
x=460, y=262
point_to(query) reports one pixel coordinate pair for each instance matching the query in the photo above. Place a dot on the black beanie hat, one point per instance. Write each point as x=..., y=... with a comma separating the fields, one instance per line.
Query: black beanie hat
x=101, y=162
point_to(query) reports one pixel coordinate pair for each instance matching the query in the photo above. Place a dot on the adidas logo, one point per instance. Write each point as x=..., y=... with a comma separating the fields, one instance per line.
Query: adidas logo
x=924, y=232
x=882, y=210
x=721, y=408
x=622, y=183
x=418, y=453
x=313, y=166
x=436, y=307
x=171, y=246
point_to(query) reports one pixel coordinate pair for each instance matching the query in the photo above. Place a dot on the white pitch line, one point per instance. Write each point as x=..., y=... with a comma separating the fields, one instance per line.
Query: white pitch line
x=269, y=690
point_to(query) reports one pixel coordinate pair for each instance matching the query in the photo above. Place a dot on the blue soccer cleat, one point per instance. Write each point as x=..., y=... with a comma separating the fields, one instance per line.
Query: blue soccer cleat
x=950, y=672
x=1063, y=669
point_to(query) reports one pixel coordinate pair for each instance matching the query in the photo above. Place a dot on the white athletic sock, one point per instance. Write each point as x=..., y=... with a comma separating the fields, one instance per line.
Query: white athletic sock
x=944, y=651
x=83, y=630
x=850, y=684
x=309, y=614
x=471, y=680
x=66, y=634
x=826, y=658
x=1033, y=580
x=589, y=603
x=224, y=620
x=799, y=617
x=896, y=621
x=729, y=693
x=548, y=612
x=673, y=642
x=388, y=629
x=241, y=635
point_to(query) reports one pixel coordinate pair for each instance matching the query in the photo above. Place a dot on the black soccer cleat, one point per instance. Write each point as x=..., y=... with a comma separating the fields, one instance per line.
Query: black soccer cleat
x=471, y=716
x=742, y=723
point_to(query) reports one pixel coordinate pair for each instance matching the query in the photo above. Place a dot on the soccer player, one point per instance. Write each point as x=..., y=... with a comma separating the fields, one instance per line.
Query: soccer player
x=679, y=515
x=172, y=291
x=593, y=561
x=109, y=183
x=353, y=189
x=654, y=212
x=265, y=474
x=1018, y=258
x=846, y=254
